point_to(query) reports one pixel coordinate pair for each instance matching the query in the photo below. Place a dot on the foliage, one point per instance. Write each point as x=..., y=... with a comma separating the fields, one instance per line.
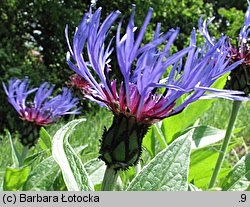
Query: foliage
x=233, y=18
x=42, y=173
x=168, y=170
x=179, y=153
x=229, y=15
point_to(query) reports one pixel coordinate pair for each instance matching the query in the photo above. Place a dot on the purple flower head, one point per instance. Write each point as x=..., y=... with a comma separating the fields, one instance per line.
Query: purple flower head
x=77, y=82
x=143, y=67
x=43, y=110
x=238, y=51
x=146, y=95
x=239, y=78
x=242, y=51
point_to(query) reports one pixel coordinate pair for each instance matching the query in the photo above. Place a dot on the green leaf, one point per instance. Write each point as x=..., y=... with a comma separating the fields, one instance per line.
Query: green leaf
x=174, y=125
x=202, y=162
x=80, y=148
x=159, y=134
x=239, y=129
x=168, y=170
x=44, y=139
x=59, y=184
x=30, y=159
x=74, y=173
x=42, y=176
x=14, y=153
x=128, y=175
x=14, y=178
x=96, y=169
x=238, y=179
x=205, y=135
x=149, y=142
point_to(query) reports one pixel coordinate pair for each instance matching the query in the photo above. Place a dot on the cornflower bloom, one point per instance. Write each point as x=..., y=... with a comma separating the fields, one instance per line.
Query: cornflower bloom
x=43, y=110
x=138, y=103
x=77, y=82
x=239, y=79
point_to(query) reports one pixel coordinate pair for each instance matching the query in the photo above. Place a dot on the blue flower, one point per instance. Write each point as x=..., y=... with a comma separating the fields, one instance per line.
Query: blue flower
x=239, y=78
x=243, y=50
x=143, y=67
x=238, y=51
x=43, y=110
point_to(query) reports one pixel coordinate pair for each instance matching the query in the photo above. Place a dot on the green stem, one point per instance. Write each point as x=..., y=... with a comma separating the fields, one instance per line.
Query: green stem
x=224, y=146
x=23, y=155
x=109, y=179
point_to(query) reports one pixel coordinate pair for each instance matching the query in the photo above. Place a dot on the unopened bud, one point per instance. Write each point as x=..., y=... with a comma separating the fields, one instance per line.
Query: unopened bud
x=122, y=143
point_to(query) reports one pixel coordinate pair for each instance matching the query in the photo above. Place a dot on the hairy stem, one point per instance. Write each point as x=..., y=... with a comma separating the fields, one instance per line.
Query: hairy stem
x=109, y=179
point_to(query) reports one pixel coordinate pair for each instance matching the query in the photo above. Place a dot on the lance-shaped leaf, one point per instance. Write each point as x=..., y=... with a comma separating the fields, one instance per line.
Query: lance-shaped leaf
x=96, y=169
x=202, y=162
x=239, y=177
x=168, y=171
x=74, y=173
x=42, y=176
x=44, y=140
x=14, y=153
x=205, y=135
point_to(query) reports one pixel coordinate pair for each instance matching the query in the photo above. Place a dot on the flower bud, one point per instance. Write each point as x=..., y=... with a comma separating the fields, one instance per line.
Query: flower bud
x=121, y=144
x=239, y=79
